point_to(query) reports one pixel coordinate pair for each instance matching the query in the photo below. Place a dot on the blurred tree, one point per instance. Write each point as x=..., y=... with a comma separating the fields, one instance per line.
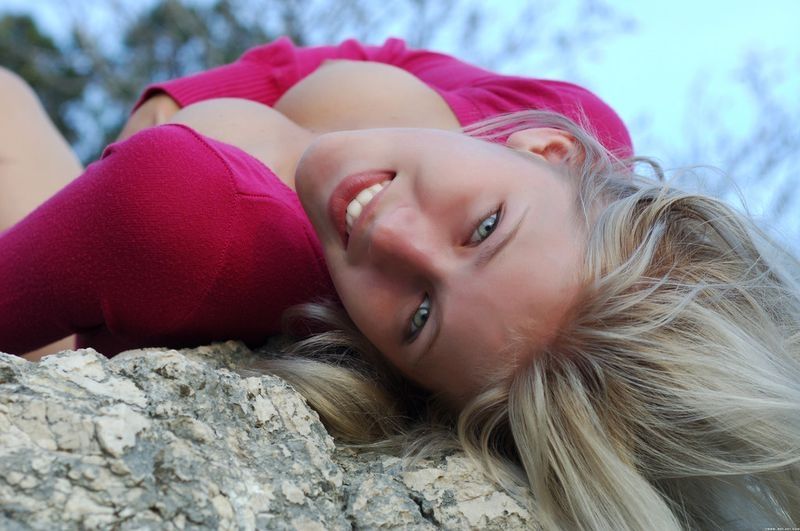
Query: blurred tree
x=58, y=81
x=170, y=39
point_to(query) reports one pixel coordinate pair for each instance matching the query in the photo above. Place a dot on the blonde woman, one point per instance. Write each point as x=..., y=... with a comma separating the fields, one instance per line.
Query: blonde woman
x=624, y=353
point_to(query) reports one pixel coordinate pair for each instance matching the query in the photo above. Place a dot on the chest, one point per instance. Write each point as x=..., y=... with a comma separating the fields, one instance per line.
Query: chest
x=256, y=129
x=338, y=96
x=346, y=95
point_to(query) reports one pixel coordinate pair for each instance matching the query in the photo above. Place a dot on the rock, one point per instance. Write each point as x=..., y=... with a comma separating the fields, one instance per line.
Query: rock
x=168, y=439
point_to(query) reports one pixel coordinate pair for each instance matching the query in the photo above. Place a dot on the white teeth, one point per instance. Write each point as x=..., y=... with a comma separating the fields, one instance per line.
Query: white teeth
x=357, y=205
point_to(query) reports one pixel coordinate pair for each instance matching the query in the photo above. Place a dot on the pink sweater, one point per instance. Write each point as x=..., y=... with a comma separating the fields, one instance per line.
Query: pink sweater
x=174, y=239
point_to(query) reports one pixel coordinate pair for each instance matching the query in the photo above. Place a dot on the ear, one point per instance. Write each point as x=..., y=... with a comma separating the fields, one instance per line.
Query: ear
x=552, y=145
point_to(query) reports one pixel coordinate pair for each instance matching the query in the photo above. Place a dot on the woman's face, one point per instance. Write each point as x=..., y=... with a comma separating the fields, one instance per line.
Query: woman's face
x=460, y=243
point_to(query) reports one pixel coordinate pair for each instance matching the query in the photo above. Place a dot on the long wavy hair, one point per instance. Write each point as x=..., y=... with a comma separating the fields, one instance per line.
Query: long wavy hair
x=670, y=397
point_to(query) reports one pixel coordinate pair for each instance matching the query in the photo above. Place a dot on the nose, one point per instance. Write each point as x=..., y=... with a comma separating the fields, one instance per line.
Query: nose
x=404, y=240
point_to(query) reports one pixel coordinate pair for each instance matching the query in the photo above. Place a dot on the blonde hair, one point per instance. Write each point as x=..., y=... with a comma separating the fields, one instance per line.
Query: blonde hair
x=669, y=399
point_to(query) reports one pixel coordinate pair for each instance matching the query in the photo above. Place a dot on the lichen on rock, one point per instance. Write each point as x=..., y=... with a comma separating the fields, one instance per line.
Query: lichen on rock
x=166, y=439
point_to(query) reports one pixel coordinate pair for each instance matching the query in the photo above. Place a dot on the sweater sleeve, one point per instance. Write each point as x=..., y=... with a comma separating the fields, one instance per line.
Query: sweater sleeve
x=115, y=248
x=169, y=239
x=266, y=72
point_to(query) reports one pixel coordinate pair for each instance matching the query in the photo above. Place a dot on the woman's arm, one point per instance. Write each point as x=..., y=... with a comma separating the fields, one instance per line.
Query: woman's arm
x=170, y=239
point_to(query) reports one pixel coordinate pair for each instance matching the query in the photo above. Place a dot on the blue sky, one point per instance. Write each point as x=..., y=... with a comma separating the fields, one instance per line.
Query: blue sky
x=683, y=59
x=679, y=43
x=680, y=54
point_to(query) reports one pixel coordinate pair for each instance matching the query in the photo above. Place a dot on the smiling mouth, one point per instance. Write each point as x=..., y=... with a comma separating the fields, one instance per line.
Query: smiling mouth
x=357, y=205
x=352, y=196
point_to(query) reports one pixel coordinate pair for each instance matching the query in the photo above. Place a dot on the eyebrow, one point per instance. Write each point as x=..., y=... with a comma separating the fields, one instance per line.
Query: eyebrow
x=488, y=251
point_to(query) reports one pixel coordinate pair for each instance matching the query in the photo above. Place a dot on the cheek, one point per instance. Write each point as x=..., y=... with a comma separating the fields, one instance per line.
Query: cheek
x=372, y=311
x=377, y=317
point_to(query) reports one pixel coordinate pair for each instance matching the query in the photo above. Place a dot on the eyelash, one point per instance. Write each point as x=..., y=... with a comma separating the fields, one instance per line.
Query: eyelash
x=412, y=334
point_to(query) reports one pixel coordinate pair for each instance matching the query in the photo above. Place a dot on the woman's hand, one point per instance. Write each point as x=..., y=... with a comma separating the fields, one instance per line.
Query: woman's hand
x=158, y=109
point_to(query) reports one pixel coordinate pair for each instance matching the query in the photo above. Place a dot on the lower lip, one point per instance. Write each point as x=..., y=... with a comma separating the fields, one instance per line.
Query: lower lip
x=346, y=191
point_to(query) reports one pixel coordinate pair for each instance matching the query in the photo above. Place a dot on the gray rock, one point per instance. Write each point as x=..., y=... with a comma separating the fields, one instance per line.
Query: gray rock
x=166, y=439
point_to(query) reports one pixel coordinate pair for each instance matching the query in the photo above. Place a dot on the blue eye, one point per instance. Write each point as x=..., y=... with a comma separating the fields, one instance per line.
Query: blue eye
x=485, y=228
x=419, y=318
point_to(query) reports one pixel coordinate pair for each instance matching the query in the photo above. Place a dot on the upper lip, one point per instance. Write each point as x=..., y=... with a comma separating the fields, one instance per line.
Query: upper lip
x=346, y=191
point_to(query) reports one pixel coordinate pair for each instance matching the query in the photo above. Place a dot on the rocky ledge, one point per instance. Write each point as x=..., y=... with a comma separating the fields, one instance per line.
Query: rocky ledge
x=166, y=439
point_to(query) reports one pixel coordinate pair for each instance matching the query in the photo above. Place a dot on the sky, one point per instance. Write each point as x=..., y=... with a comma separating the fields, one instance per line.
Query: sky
x=679, y=43
x=683, y=58
x=678, y=54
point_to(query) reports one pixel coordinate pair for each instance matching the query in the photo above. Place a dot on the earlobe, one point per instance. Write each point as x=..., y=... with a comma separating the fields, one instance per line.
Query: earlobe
x=552, y=145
